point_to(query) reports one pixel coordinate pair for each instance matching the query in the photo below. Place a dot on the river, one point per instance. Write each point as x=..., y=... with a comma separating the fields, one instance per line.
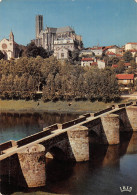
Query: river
x=109, y=168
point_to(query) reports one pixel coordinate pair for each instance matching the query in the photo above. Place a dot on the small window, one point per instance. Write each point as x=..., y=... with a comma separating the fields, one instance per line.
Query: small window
x=62, y=55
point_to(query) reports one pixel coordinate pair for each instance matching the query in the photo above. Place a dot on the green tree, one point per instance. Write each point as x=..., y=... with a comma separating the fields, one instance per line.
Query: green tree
x=34, y=51
x=42, y=52
x=120, y=69
x=133, y=64
x=3, y=84
x=115, y=60
x=74, y=56
x=127, y=56
x=1, y=55
x=30, y=84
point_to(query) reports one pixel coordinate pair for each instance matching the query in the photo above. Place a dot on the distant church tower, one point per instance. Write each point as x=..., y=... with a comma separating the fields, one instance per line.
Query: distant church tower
x=39, y=24
x=9, y=47
x=11, y=37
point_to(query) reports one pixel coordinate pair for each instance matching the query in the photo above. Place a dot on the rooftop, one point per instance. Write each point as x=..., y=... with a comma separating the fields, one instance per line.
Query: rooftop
x=119, y=55
x=97, y=48
x=127, y=64
x=125, y=76
x=64, y=29
x=132, y=43
x=114, y=66
x=60, y=30
x=87, y=59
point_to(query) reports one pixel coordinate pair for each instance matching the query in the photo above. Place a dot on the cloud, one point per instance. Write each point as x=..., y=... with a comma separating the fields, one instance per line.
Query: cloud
x=0, y=0
x=136, y=1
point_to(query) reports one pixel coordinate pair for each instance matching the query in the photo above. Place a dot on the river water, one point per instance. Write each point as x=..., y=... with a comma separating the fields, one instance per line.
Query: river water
x=109, y=167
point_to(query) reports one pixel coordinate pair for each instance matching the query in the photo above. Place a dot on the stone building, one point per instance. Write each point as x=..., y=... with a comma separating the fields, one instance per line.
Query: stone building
x=9, y=47
x=62, y=47
x=61, y=53
x=50, y=36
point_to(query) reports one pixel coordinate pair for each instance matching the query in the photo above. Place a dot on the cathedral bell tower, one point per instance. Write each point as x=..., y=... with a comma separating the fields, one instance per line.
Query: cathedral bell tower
x=11, y=37
x=11, y=45
x=39, y=24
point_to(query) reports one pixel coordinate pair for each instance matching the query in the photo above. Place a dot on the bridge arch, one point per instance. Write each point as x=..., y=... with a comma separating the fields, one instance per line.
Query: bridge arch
x=94, y=137
x=56, y=153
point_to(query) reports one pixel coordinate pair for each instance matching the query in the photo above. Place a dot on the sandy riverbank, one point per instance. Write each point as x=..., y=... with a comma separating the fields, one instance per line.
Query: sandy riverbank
x=59, y=106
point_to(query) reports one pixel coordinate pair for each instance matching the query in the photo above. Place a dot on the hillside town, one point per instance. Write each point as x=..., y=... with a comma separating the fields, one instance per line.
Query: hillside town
x=65, y=45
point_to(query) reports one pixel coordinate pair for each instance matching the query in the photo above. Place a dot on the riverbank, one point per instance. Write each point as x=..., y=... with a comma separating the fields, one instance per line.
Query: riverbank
x=59, y=106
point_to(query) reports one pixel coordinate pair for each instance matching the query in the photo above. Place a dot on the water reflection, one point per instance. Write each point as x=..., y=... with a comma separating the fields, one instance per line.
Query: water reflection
x=15, y=126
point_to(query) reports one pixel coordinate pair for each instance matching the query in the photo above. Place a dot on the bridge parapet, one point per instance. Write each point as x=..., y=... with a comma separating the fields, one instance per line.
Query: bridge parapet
x=33, y=137
x=7, y=145
x=102, y=111
x=74, y=122
x=51, y=128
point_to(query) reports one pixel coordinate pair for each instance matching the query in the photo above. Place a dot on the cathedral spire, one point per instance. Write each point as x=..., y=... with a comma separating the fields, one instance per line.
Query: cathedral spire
x=11, y=36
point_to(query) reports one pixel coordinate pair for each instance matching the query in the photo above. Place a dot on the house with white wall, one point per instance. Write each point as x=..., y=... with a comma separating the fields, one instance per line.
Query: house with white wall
x=114, y=49
x=87, y=61
x=101, y=64
x=90, y=62
x=98, y=51
x=85, y=52
x=130, y=46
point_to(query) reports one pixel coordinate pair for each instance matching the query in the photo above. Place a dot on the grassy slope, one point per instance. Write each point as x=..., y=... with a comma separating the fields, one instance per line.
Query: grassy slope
x=60, y=106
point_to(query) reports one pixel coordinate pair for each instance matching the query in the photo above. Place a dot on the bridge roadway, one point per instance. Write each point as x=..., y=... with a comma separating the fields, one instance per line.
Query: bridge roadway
x=25, y=158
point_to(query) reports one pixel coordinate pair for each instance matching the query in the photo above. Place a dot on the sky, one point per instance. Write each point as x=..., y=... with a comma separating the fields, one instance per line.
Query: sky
x=99, y=22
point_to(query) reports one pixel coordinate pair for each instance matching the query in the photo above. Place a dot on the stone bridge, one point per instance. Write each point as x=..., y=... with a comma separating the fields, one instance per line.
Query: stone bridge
x=23, y=161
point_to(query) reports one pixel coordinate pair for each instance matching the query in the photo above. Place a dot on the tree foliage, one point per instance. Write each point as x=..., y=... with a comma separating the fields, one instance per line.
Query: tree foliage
x=21, y=79
x=74, y=56
x=34, y=51
x=120, y=69
x=127, y=56
x=1, y=55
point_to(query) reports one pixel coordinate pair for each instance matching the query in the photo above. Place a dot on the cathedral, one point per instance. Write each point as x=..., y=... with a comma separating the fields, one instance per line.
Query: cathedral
x=9, y=47
x=53, y=39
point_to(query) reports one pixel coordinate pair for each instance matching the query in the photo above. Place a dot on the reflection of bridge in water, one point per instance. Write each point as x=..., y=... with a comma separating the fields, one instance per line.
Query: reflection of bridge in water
x=24, y=160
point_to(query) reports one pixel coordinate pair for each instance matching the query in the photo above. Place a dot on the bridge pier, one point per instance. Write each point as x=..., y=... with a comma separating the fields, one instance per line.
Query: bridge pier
x=79, y=141
x=32, y=165
x=111, y=128
x=132, y=117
